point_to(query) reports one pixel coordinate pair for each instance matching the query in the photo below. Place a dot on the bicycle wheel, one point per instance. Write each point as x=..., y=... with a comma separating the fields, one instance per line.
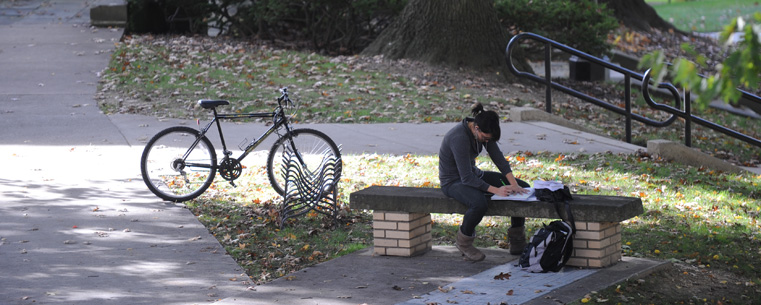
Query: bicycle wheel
x=174, y=168
x=313, y=146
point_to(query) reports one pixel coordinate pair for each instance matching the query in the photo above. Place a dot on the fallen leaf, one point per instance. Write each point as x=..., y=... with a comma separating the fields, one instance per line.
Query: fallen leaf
x=502, y=276
x=572, y=142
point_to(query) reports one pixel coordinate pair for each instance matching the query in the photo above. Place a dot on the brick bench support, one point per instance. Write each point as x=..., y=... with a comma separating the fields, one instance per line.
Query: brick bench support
x=401, y=233
x=596, y=244
x=402, y=220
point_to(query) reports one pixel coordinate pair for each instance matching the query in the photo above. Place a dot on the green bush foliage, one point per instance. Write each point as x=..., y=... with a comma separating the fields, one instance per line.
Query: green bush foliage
x=331, y=26
x=582, y=24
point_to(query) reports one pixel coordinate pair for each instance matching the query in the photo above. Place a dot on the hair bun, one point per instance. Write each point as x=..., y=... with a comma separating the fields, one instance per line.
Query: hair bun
x=477, y=108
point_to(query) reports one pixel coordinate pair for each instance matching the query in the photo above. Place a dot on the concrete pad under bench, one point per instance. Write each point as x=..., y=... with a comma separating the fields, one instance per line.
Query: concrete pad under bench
x=402, y=220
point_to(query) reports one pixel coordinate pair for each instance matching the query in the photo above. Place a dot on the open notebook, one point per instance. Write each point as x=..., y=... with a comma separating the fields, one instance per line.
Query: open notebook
x=518, y=197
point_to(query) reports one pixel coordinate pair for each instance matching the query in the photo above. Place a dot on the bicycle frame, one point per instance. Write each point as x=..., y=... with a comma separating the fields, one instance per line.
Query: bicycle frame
x=280, y=121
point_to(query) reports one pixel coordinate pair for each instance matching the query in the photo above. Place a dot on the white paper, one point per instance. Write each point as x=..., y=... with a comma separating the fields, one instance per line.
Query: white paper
x=550, y=185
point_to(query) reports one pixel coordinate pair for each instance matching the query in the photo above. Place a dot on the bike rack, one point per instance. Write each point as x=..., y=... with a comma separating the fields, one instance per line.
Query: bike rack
x=307, y=191
x=628, y=76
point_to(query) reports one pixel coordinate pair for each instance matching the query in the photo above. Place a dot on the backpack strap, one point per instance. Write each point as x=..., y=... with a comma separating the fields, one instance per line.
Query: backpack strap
x=569, y=214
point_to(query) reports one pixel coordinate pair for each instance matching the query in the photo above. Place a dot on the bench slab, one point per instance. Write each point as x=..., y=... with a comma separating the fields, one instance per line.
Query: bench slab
x=402, y=220
x=590, y=208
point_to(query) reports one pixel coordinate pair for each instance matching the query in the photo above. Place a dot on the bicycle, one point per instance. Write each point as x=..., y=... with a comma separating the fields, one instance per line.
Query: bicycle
x=179, y=163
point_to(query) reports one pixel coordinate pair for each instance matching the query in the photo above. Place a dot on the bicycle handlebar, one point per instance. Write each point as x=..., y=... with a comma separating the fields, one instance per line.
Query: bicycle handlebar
x=284, y=97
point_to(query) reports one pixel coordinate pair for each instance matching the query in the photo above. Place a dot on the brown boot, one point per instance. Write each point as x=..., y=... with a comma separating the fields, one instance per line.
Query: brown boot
x=465, y=245
x=517, y=238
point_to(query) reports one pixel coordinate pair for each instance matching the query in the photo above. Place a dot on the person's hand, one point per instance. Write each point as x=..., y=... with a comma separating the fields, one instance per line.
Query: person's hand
x=501, y=191
x=515, y=189
x=507, y=190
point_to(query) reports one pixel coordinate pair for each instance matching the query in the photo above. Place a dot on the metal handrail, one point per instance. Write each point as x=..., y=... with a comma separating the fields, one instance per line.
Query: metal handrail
x=688, y=117
x=549, y=84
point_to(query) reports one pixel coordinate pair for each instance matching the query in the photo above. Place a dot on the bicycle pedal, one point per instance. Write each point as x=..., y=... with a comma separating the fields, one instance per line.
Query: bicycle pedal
x=233, y=184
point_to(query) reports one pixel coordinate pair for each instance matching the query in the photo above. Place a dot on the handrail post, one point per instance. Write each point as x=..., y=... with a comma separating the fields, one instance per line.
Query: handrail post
x=628, y=105
x=687, y=119
x=548, y=77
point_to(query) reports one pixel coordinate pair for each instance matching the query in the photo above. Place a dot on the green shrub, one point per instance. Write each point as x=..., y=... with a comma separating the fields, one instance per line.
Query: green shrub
x=582, y=24
x=332, y=26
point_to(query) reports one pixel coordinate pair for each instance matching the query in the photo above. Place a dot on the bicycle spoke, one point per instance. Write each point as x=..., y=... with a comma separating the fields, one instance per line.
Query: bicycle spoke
x=176, y=166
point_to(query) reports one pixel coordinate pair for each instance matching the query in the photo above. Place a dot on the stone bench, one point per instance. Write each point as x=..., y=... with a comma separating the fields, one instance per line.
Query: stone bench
x=402, y=220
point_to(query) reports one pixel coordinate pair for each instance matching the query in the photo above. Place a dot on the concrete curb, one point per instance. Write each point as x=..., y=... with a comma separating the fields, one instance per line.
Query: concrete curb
x=667, y=149
x=628, y=269
x=690, y=156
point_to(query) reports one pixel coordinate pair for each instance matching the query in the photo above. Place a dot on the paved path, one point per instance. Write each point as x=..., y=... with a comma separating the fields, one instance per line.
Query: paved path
x=439, y=276
x=398, y=138
x=77, y=225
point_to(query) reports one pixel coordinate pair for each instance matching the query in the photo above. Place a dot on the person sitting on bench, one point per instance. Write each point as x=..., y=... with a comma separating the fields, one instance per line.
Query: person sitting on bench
x=462, y=180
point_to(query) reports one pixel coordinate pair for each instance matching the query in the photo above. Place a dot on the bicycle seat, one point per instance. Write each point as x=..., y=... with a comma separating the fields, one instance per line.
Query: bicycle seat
x=210, y=104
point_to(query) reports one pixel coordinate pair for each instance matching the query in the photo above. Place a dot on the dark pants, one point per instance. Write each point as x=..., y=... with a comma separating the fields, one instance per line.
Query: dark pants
x=476, y=202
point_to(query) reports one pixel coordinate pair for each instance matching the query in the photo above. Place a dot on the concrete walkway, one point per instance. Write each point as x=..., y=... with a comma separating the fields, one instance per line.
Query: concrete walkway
x=439, y=276
x=76, y=223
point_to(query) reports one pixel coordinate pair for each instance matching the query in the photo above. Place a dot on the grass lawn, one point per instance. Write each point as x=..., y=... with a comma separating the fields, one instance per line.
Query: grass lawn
x=704, y=15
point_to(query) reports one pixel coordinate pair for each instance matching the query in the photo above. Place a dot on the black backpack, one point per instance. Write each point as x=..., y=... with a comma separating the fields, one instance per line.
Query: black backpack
x=551, y=246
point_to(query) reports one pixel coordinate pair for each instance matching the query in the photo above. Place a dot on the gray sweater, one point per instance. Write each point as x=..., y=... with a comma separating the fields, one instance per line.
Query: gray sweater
x=457, y=158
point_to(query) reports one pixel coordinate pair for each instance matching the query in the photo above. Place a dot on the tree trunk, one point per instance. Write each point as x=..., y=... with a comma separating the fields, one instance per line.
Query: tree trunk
x=461, y=33
x=638, y=15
